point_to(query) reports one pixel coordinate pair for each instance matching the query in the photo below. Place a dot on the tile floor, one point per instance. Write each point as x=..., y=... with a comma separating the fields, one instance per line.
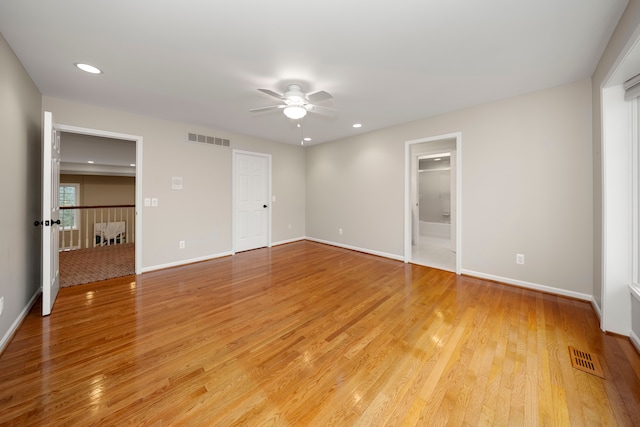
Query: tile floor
x=434, y=252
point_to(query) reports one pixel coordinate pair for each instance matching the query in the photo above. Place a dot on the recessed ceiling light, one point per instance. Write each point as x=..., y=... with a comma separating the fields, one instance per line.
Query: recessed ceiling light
x=437, y=160
x=132, y=165
x=88, y=68
x=357, y=125
x=307, y=139
x=90, y=161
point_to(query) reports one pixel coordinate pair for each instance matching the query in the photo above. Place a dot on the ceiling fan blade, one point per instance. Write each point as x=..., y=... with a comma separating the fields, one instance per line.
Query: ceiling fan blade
x=318, y=109
x=319, y=96
x=271, y=107
x=271, y=93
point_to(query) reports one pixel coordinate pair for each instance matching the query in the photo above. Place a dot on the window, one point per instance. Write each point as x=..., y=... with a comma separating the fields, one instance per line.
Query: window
x=69, y=196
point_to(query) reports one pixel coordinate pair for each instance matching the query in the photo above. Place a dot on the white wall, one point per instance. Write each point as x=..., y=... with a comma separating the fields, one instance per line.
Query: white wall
x=435, y=195
x=526, y=187
x=20, y=136
x=200, y=214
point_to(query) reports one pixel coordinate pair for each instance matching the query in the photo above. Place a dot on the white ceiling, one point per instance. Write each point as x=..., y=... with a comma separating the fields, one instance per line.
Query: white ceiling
x=385, y=63
x=93, y=155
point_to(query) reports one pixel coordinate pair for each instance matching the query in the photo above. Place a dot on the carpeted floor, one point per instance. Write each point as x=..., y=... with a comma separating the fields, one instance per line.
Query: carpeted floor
x=95, y=264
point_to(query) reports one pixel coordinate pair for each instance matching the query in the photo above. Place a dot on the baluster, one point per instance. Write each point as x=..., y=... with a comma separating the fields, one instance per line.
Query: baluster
x=86, y=228
x=119, y=210
x=76, y=218
x=62, y=230
x=128, y=225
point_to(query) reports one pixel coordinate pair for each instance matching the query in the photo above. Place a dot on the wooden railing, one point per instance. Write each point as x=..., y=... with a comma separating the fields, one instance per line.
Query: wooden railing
x=90, y=226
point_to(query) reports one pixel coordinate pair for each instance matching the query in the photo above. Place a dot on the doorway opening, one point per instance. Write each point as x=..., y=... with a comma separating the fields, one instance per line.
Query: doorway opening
x=97, y=208
x=110, y=194
x=432, y=202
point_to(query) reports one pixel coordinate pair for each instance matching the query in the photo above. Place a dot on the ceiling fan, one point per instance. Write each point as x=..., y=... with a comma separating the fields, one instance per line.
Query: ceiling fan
x=297, y=103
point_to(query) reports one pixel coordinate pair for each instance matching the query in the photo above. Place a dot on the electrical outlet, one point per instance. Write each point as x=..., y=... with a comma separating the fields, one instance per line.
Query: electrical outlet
x=182, y=244
x=1, y=305
x=340, y=231
x=519, y=258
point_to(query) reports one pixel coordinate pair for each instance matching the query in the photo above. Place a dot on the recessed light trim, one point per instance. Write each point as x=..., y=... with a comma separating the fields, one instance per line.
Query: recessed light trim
x=307, y=139
x=90, y=162
x=357, y=125
x=88, y=68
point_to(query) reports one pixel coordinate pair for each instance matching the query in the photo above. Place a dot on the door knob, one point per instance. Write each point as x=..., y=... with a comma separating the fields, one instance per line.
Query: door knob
x=264, y=206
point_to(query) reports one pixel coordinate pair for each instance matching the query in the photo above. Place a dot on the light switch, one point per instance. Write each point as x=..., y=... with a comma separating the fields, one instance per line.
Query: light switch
x=147, y=201
x=154, y=202
x=273, y=199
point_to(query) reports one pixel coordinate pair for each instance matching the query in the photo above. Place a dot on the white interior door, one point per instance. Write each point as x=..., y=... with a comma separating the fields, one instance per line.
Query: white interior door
x=50, y=214
x=251, y=201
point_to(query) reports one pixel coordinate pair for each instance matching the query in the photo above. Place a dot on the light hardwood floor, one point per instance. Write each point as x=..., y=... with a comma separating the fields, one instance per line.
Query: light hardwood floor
x=306, y=334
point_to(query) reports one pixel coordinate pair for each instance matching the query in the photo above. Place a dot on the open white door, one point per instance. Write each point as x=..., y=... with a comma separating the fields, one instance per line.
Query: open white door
x=251, y=201
x=50, y=214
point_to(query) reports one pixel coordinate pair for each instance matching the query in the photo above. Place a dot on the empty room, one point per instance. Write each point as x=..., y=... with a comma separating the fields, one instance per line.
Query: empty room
x=320, y=214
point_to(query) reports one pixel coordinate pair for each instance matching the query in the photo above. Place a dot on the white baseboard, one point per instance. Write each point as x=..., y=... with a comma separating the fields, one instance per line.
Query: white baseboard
x=597, y=309
x=635, y=340
x=284, y=242
x=529, y=285
x=355, y=248
x=18, y=321
x=185, y=262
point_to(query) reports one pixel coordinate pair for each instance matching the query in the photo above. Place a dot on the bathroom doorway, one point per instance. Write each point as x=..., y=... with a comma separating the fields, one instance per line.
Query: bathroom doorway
x=432, y=235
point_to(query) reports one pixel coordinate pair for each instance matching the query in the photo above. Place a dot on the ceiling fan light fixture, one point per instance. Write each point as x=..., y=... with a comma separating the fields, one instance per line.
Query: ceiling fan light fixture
x=295, y=112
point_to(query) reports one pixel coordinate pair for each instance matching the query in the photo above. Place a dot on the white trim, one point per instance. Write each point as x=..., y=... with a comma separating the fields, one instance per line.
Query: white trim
x=16, y=323
x=635, y=340
x=596, y=308
x=603, y=210
x=635, y=291
x=530, y=285
x=355, y=248
x=617, y=207
x=635, y=191
x=407, y=194
x=185, y=262
x=234, y=152
x=623, y=56
x=284, y=242
x=138, y=141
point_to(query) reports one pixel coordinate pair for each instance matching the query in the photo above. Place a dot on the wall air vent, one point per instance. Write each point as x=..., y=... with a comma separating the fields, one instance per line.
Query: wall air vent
x=206, y=139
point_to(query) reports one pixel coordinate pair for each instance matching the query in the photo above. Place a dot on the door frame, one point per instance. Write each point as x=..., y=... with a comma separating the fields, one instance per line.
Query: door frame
x=138, y=141
x=234, y=153
x=409, y=180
